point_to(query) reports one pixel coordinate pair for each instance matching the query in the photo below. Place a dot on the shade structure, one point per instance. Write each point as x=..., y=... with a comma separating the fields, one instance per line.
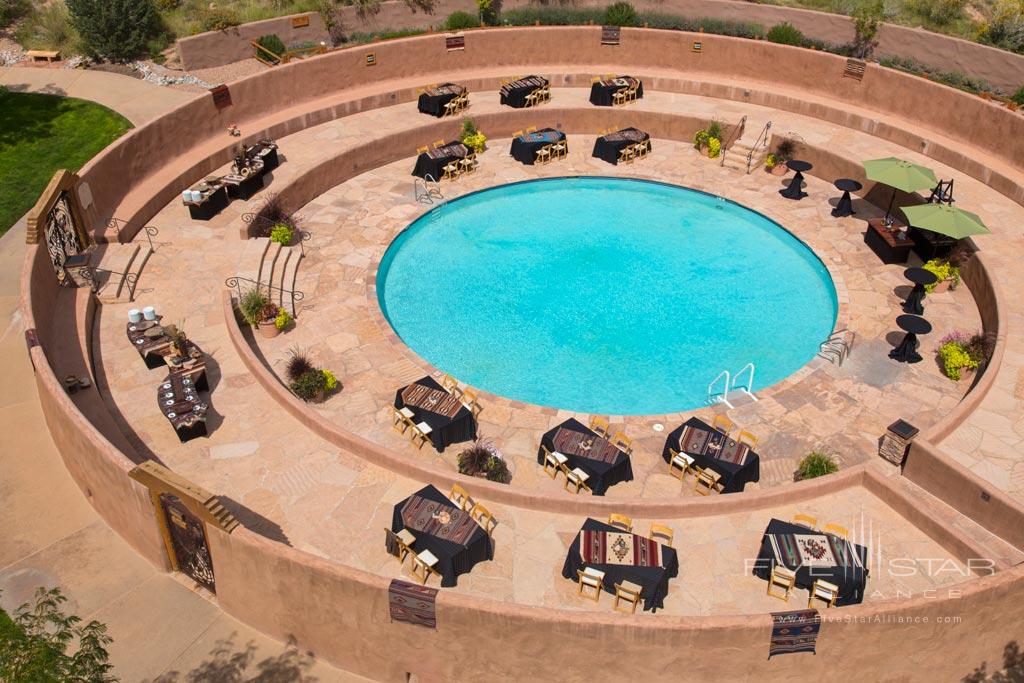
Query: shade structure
x=899, y=174
x=945, y=220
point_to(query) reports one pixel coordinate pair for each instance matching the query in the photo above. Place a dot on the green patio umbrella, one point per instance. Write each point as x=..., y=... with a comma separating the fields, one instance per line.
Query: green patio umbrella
x=945, y=220
x=901, y=175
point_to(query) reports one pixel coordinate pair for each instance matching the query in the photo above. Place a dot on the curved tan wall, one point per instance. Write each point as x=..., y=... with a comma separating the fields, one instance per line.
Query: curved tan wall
x=336, y=610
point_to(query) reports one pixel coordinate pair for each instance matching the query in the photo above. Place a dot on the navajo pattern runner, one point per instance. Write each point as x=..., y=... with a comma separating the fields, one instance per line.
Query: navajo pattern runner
x=813, y=550
x=628, y=135
x=456, y=149
x=412, y=604
x=446, y=89
x=437, y=519
x=535, y=81
x=621, y=82
x=795, y=631
x=610, y=547
x=435, y=400
x=843, y=551
x=587, y=446
x=734, y=452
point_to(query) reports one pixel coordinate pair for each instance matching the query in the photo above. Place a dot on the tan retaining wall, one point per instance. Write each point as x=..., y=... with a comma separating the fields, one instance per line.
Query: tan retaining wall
x=1000, y=68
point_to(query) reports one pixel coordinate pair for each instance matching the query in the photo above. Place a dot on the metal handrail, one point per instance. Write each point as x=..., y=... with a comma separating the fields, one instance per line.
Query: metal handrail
x=737, y=134
x=720, y=397
x=837, y=346
x=234, y=282
x=251, y=217
x=431, y=190
x=118, y=225
x=762, y=136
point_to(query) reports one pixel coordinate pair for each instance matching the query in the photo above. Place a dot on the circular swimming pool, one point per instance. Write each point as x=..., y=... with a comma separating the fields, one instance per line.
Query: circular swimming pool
x=604, y=295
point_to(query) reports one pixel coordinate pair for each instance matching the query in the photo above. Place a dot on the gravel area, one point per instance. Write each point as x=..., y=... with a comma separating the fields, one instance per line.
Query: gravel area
x=230, y=72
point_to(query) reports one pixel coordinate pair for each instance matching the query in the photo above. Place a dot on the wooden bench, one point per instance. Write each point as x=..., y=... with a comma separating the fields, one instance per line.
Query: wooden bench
x=41, y=55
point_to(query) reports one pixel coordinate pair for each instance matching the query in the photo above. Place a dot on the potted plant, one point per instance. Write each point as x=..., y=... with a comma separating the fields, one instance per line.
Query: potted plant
x=282, y=234
x=817, y=463
x=251, y=306
x=268, y=320
x=947, y=273
x=310, y=386
x=471, y=136
x=298, y=364
x=783, y=152
x=961, y=356
x=283, y=320
x=483, y=460
x=770, y=162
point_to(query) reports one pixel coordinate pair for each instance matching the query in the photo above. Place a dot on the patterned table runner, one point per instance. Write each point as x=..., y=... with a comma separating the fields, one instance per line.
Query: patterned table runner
x=569, y=442
x=609, y=547
x=437, y=519
x=733, y=451
x=146, y=344
x=813, y=550
x=535, y=81
x=179, y=401
x=435, y=400
x=446, y=89
x=542, y=136
x=627, y=135
x=454, y=149
x=412, y=604
x=622, y=82
x=795, y=631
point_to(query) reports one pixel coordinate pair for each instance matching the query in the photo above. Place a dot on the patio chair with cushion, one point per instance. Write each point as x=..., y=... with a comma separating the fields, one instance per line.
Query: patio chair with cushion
x=784, y=578
x=680, y=464
x=825, y=591
x=600, y=426
x=628, y=592
x=591, y=580
x=461, y=497
x=553, y=461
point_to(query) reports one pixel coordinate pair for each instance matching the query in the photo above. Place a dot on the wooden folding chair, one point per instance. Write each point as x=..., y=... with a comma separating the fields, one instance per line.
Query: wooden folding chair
x=531, y=129
x=438, y=143
x=590, y=580
x=448, y=382
x=517, y=134
x=422, y=150
x=401, y=541
x=659, y=531
x=553, y=461
x=483, y=517
x=621, y=522
x=681, y=463
x=747, y=439
x=723, y=424
x=419, y=434
x=627, y=154
x=707, y=481
x=628, y=592
x=806, y=520
x=576, y=478
x=469, y=399
x=423, y=566
x=400, y=419
x=600, y=426
x=461, y=497
x=837, y=530
x=825, y=591
x=623, y=442
x=784, y=578
x=595, y=79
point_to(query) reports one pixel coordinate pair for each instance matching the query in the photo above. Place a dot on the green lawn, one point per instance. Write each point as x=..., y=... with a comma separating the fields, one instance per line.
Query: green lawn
x=40, y=134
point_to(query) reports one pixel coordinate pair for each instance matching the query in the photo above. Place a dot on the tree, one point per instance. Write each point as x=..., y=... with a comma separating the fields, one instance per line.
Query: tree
x=866, y=17
x=34, y=644
x=117, y=30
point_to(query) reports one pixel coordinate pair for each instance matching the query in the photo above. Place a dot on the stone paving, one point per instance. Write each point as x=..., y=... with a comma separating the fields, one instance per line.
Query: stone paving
x=290, y=485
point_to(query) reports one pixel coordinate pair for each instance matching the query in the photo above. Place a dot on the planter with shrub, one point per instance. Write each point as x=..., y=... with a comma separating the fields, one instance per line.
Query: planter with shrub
x=471, y=136
x=483, y=460
x=709, y=140
x=786, y=34
x=816, y=464
x=947, y=273
x=960, y=355
x=273, y=49
x=308, y=382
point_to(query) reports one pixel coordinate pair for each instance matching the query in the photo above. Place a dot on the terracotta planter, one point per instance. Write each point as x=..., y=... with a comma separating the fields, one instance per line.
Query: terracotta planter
x=941, y=287
x=269, y=329
x=704, y=150
x=779, y=169
x=967, y=376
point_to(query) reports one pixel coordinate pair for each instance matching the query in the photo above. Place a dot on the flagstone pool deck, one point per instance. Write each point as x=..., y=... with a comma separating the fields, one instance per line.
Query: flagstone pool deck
x=289, y=484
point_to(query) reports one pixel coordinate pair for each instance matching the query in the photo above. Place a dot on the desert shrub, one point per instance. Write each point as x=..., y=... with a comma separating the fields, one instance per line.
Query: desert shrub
x=954, y=79
x=715, y=130
x=1018, y=96
x=723, y=27
x=11, y=10
x=272, y=213
x=216, y=19
x=282, y=234
x=118, y=30
x=298, y=364
x=272, y=44
x=483, y=459
x=786, y=34
x=816, y=464
x=49, y=28
x=310, y=385
x=940, y=12
x=457, y=21
x=621, y=14
x=1005, y=27
x=784, y=151
x=251, y=306
x=552, y=16
x=867, y=15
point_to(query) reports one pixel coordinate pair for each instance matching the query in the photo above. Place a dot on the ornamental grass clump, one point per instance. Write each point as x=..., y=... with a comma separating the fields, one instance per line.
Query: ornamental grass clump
x=483, y=459
x=816, y=464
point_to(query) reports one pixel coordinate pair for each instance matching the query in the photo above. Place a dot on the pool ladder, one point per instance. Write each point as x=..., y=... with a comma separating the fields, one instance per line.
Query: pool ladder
x=837, y=347
x=730, y=383
x=426, y=190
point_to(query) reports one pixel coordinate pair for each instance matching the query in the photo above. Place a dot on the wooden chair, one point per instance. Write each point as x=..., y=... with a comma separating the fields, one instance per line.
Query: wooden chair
x=592, y=579
x=422, y=150
x=448, y=382
x=627, y=154
x=545, y=93
x=837, y=530
x=451, y=171
x=419, y=434
x=707, y=481
x=623, y=442
x=402, y=540
x=469, y=399
x=823, y=590
x=576, y=478
x=483, y=517
x=531, y=129
x=631, y=95
x=806, y=520
x=661, y=531
x=560, y=149
x=531, y=99
x=468, y=164
x=681, y=463
x=517, y=134
x=400, y=419
x=784, y=578
x=451, y=108
x=600, y=426
x=423, y=566
x=621, y=522
x=629, y=592
x=747, y=439
x=542, y=155
x=553, y=461
x=595, y=79
x=619, y=97
x=438, y=143
x=461, y=497
x=723, y=424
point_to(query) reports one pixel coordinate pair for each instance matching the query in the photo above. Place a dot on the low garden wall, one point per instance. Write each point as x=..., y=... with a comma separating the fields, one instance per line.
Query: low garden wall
x=999, y=68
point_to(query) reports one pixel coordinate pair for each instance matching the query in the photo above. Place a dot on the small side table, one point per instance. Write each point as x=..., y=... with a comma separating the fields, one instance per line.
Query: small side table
x=906, y=351
x=845, y=205
x=921, y=278
x=896, y=442
x=795, y=189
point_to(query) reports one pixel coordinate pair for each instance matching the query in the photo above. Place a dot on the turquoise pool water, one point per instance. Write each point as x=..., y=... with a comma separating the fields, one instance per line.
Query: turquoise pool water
x=604, y=295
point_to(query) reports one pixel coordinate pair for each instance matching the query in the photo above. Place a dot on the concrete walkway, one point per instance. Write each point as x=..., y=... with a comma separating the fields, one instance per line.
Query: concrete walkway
x=162, y=630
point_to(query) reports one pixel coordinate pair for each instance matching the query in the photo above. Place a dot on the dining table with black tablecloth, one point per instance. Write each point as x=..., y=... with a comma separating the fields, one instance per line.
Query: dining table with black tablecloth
x=524, y=148
x=921, y=278
x=604, y=463
x=433, y=161
x=447, y=531
x=623, y=556
x=814, y=555
x=906, y=350
x=735, y=462
x=450, y=421
x=214, y=199
x=795, y=188
x=603, y=91
x=179, y=401
x=607, y=147
x=433, y=100
x=514, y=93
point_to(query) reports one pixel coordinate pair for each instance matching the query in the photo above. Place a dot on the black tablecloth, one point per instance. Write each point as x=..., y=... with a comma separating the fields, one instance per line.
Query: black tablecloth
x=653, y=579
x=444, y=430
x=214, y=203
x=930, y=245
x=915, y=300
x=607, y=147
x=851, y=579
x=845, y=205
x=452, y=558
x=524, y=148
x=433, y=100
x=795, y=189
x=601, y=92
x=514, y=94
x=906, y=351
x=734, y=477
x=432, y=162
x=602, y=474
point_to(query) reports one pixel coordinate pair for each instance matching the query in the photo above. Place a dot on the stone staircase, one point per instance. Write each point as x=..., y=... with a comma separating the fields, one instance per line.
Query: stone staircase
x=118, y=268
x=747, y=146
x=274, y=267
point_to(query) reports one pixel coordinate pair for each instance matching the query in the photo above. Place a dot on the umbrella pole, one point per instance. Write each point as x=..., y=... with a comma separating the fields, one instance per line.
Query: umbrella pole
x=888, y=212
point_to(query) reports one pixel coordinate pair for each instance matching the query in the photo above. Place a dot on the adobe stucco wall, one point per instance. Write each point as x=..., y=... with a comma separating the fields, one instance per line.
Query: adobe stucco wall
x=1002, y=69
